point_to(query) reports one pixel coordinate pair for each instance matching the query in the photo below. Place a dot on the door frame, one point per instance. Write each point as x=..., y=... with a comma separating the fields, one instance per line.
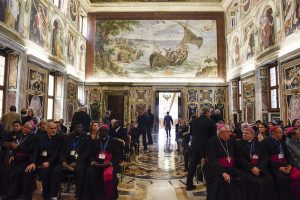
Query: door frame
x=156, y=105
x=125, y=93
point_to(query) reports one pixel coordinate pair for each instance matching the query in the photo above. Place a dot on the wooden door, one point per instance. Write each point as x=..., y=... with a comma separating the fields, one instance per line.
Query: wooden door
x=115, y=104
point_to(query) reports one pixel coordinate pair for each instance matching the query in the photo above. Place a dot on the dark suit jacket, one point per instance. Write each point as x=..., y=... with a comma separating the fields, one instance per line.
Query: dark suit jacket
x=52, y=146
x=201, y=129
x=83, y=149
x=121, y=133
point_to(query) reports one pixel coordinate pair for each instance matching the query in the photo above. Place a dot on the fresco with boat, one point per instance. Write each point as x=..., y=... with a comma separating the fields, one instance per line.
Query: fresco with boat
x=156, y=48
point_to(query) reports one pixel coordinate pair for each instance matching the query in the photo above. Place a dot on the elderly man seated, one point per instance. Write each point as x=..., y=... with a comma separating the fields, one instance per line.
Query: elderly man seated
x=219, y=169
x=281, y=165
x=18, y=178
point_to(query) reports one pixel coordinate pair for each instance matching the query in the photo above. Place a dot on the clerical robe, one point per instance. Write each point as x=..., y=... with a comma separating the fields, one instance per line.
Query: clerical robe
x=250, y=155
x=101, y=182
x=218, y=161
x=279, y=156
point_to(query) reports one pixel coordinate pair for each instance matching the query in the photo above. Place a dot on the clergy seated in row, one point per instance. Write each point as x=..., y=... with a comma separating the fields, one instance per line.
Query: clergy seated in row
x=219, y=170
x=74, y=156
x=282, y=167
x=18, y=176
x=101, y=176
x=252, y=162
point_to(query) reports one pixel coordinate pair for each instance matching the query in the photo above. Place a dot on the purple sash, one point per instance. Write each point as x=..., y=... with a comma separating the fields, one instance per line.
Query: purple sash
x=226, y=162
x=276, y=159
x=108, y=178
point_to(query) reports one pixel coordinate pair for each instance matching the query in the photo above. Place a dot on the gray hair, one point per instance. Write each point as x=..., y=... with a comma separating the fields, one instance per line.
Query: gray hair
x=205, y=110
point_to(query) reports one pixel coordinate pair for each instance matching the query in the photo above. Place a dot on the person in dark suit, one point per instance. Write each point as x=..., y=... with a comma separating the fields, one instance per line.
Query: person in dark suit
x=168, y=122
x=142, y=127
x=150, y=118
x=201, y=130
x=117, y=131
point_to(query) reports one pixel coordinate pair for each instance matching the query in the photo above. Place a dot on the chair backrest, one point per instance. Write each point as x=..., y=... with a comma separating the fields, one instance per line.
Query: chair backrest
x=121, y=143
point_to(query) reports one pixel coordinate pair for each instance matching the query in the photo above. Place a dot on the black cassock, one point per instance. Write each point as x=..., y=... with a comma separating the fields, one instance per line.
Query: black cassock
x=249, y=155
x=216, y=158
x=49, y=151
x=282, y=181
x=94, y=183
x=75, y=149
x=15, y=181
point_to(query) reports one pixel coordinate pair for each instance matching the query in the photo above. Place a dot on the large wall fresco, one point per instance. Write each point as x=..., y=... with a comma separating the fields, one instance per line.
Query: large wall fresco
x=156, y=48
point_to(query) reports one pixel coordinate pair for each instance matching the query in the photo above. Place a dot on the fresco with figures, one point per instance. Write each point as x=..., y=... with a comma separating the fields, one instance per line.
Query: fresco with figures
x=291, y=13
x=38, y=23
x=156, y=48
x=15, y=14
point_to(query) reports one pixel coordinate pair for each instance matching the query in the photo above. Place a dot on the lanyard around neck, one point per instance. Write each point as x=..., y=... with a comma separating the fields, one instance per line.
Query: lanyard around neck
x=251, y=147
x=75, y=143
x=103, y=148
x=277, y=144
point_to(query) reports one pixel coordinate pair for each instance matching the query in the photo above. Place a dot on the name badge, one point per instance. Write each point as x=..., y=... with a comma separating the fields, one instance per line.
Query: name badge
x=72, y=153
x=101, y=156
x=255, y=157
x=280, y=156
x=44, y=153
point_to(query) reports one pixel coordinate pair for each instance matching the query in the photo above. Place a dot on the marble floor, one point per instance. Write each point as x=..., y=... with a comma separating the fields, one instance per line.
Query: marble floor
x=155, y=175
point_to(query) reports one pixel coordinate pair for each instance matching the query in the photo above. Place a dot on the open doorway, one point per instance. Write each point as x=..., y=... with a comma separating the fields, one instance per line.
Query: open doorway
x=168, y=102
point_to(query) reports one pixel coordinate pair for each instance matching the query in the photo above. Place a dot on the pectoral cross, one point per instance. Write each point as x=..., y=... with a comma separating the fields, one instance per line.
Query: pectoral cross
x=229, y=159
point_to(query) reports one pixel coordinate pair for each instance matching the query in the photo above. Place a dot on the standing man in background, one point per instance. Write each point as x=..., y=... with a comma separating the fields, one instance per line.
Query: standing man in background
x=9, y=118
x=168, y=122
x=142, y=127
x=150, y=118
x=201, y=130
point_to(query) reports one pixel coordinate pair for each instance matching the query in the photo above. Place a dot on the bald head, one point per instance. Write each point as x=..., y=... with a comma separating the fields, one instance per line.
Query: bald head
x=51, y=129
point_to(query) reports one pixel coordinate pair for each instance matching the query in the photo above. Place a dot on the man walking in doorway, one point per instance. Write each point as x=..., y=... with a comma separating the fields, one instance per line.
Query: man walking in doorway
x=168, y=121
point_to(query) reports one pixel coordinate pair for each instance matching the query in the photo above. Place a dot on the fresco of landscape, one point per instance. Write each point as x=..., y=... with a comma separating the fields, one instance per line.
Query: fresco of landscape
x=156, y=48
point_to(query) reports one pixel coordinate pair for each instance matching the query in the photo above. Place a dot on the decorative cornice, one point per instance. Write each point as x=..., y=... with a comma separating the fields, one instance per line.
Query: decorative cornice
x=155, y=7
x=156, y=84
x=11, y=39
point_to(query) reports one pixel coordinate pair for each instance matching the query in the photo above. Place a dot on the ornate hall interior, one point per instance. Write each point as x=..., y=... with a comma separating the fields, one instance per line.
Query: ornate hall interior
x=240, y=57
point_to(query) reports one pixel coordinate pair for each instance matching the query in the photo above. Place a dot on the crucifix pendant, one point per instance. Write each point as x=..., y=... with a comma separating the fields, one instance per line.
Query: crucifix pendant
x=229, y=159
